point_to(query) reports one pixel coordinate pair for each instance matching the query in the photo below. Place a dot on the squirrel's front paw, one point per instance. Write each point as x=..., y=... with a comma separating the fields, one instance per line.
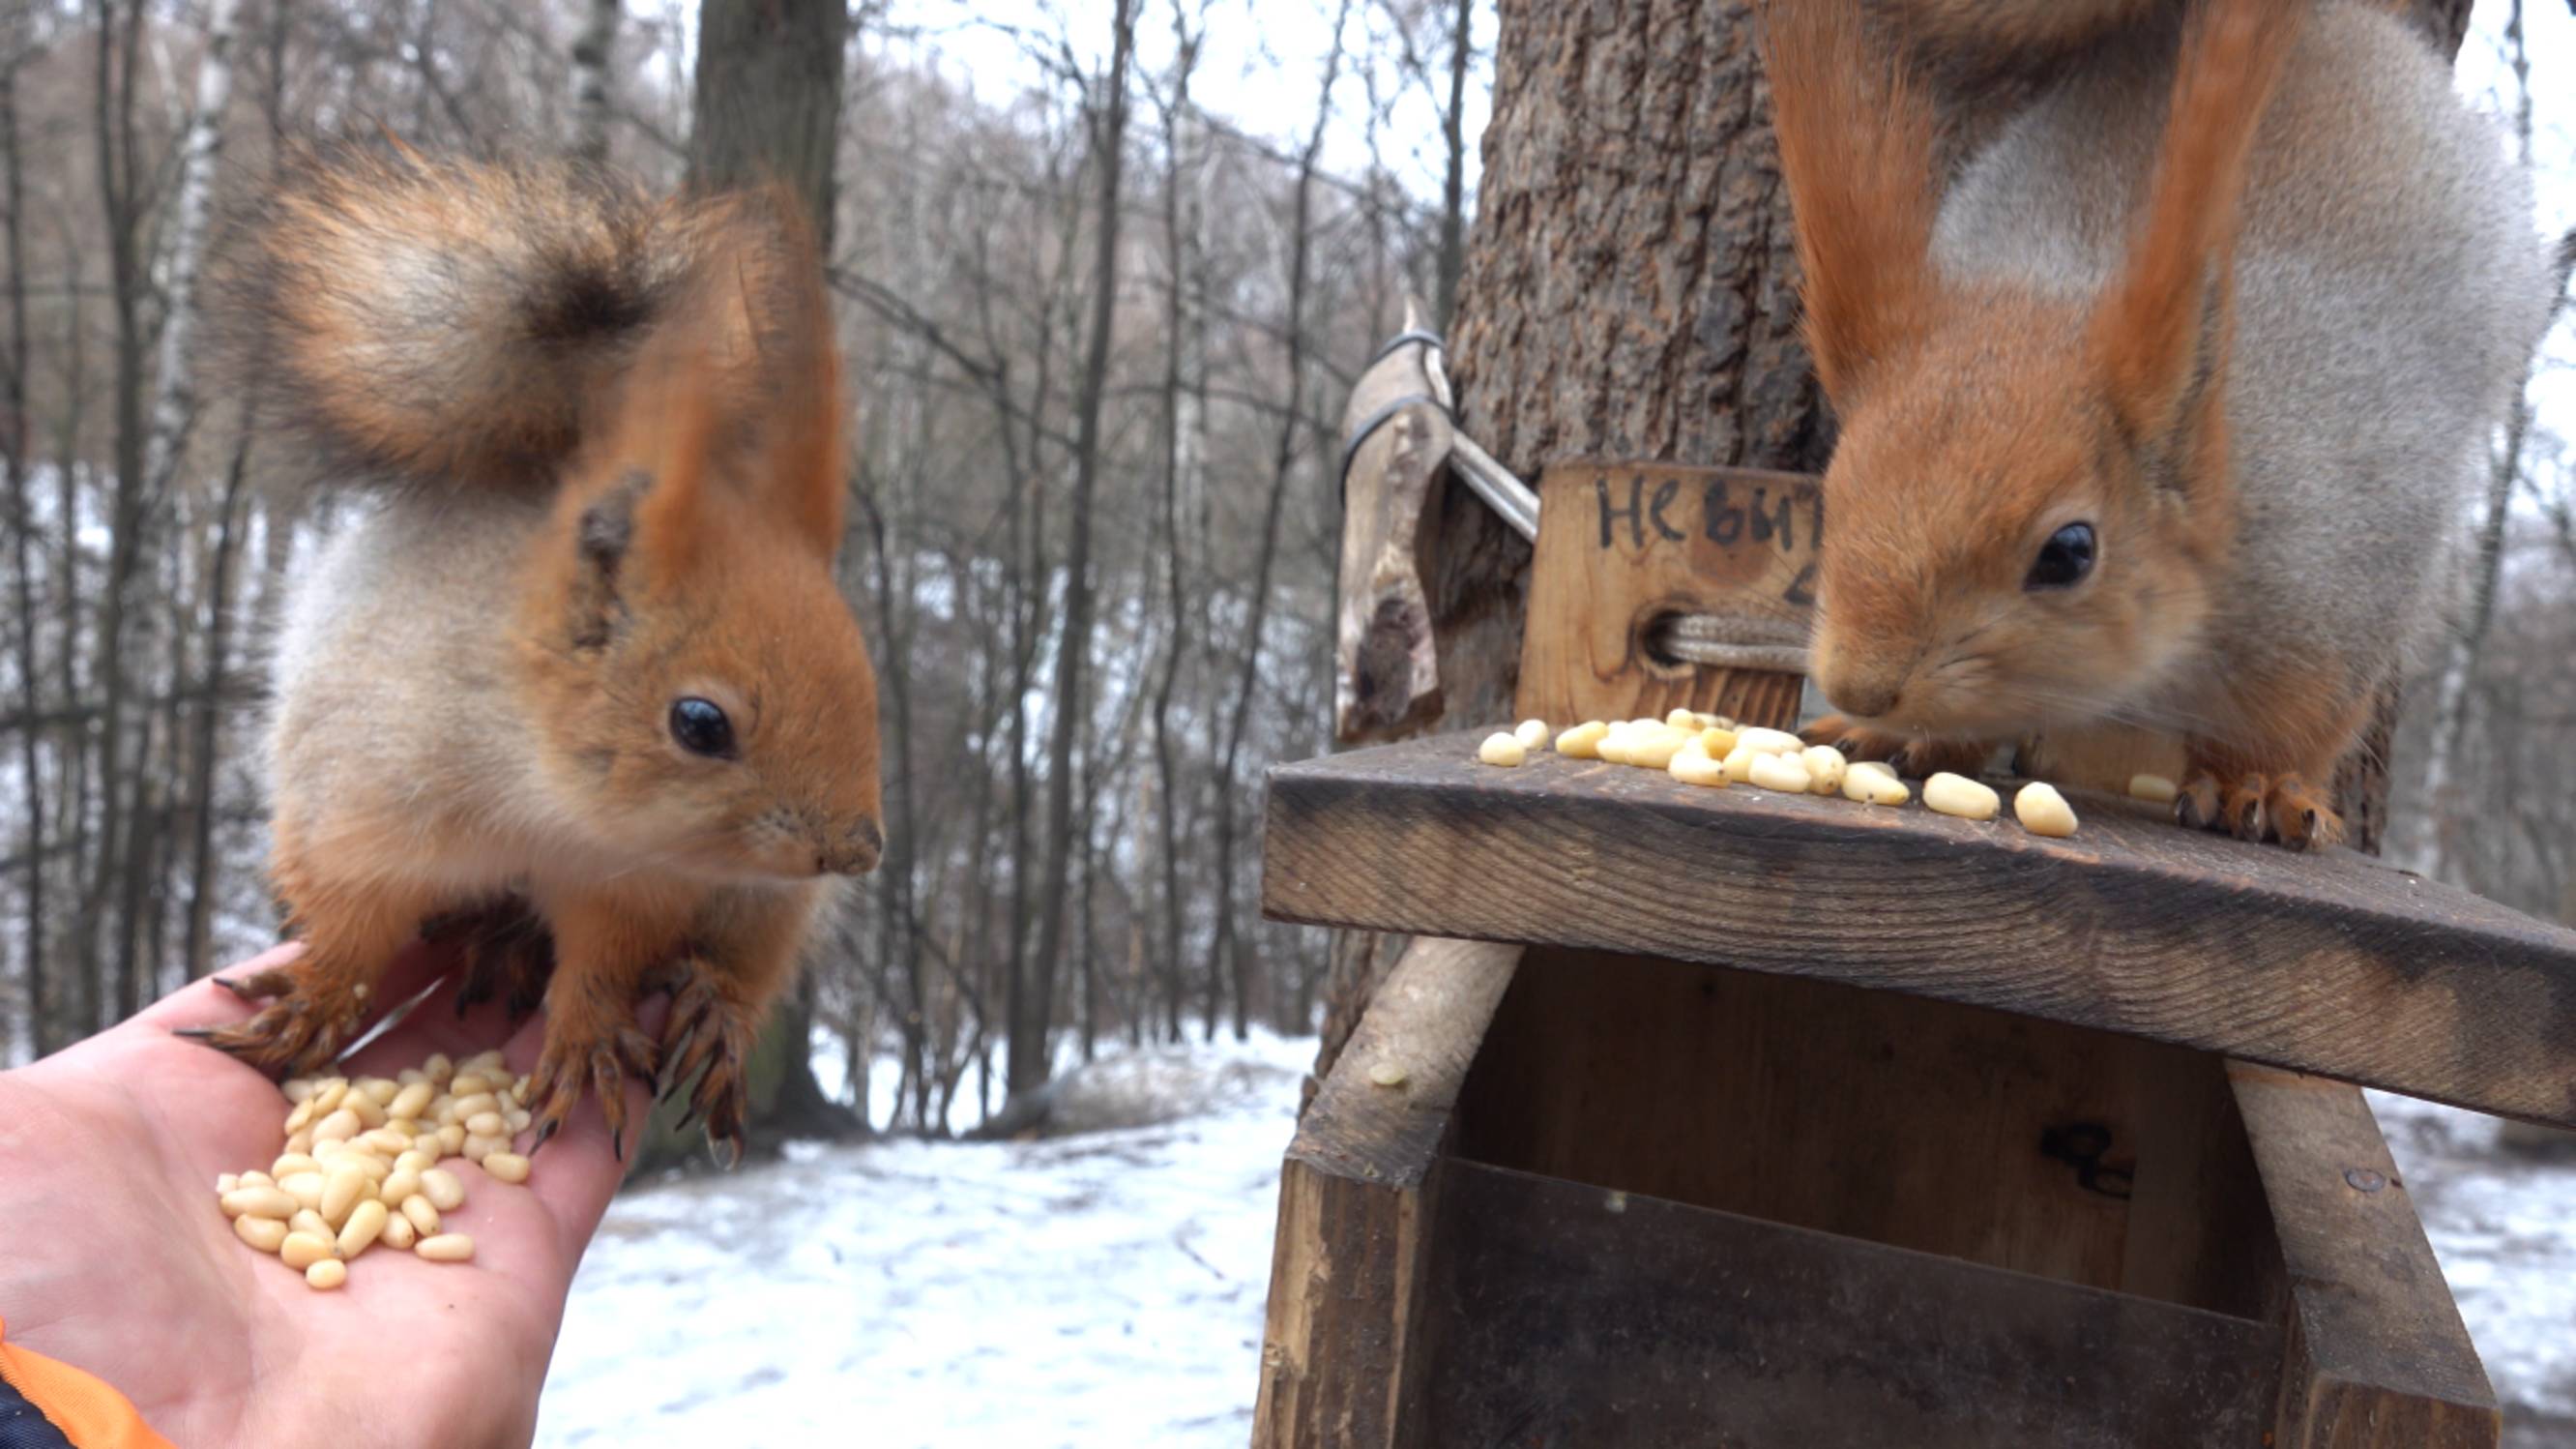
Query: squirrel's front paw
x=709, y=1037
x=593, y=1044
x=506, y=953
x=310, y=1014
x=2282, y=809
x=1911, y=756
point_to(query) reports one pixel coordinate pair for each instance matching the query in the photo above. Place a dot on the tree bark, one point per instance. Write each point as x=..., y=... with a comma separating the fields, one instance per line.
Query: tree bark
x=1028, y=1065
x=22, y=524
x=590, y=70
x=768, y=107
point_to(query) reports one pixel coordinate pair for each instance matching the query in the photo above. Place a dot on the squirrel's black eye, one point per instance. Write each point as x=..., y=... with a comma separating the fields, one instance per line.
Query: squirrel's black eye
x=701, y=728
x=2065, y=558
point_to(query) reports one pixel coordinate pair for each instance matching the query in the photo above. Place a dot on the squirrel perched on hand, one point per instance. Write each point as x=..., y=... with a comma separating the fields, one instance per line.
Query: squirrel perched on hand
x=582, y=665
x=2158, y=417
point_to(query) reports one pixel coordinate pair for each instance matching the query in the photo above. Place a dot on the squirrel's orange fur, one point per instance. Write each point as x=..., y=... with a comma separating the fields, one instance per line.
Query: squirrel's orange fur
x=605, y=437
x=2054, y=343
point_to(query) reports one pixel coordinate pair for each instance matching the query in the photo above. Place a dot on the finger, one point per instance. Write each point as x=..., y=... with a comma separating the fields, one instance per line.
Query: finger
x=580, y=1170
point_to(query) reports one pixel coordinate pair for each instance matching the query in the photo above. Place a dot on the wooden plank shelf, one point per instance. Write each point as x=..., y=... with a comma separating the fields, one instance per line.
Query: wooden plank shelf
x=2331, y=964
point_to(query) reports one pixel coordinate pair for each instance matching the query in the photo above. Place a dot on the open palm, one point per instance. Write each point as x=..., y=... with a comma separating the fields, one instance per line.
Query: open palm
x=115, y=1258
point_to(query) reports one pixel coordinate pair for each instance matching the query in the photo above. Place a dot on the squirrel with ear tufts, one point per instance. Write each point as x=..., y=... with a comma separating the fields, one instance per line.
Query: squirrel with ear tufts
x=2161, y=401
x=577, y=687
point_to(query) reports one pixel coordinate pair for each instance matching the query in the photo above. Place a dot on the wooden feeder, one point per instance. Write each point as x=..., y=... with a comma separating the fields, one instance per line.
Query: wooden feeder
x=1720, y=1117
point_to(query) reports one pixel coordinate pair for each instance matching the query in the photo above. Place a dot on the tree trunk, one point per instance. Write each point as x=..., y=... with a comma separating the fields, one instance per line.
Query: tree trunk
x=1028, y=1068
x=768, y=107
x=22, y=526
x=207, y=739
x=590, y=71
x=1453, y=189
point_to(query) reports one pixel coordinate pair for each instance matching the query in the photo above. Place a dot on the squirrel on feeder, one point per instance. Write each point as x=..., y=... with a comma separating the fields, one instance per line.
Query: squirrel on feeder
x=2159, y=410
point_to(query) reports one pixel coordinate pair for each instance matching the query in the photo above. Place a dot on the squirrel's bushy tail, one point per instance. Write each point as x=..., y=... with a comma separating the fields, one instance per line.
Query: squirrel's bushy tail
x=461, y=323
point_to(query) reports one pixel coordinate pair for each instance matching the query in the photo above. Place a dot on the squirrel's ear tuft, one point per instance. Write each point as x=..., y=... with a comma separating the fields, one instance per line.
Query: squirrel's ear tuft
x=603, y=536
x=802, y=463
x=1856, y=136
x=2161, y=331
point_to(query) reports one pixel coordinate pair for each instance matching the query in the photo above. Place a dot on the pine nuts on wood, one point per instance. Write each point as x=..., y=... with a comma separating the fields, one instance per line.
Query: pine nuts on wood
x=1958, y=795
x=1784, y=773
x=2042, y=811
x=1498, y=749
x=1692, y=766
x=1770, y=742
x=2153, y=787
x=1583, y=742
x=1825, y=767
x=1532, y=734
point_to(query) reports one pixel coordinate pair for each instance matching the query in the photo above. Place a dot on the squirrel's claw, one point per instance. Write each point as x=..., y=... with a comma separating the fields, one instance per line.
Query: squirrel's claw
x=306, y=1020
x=709, y=1037
x=598, y=1062
x=2279, y=809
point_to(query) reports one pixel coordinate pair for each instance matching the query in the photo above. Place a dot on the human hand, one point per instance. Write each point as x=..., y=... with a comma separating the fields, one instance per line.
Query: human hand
x=115, y=1258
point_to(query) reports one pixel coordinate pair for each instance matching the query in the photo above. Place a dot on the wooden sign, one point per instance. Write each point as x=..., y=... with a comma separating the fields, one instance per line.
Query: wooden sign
x=1625, y=550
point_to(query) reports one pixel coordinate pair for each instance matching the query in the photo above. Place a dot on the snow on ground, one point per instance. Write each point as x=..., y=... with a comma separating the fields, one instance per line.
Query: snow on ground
x=1106, y=1288
x=2504, y=1228
x=1100, y=1289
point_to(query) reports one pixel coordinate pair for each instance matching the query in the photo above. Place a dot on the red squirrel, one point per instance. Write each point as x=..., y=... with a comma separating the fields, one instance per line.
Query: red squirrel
x=577, y=686
x=2160, y=408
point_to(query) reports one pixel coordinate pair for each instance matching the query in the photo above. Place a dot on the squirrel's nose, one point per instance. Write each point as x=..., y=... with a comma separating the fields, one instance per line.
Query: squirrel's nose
x=855, y=853
x=1866, y=696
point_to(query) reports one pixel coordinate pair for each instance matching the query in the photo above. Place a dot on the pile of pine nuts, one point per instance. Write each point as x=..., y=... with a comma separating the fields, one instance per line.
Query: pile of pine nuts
x=361, y=1164
x=1712, y=751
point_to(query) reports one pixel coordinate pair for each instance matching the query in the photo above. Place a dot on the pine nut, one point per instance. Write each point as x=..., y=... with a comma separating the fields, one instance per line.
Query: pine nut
x=446, y=1248
x=340, y=1126
x=306, y=1220
x=305, y=1188
x=507, y=1166
x=469, y=1083
x=301, y=1117
x=1873, y=783
x=478, y=1146
x=1825, y=768
x=380, y=1090
x=1958, y=795
x=399, y=1233
x=297, y=1089
x=1583, y=742
x=444, y=1189
x=303, y=1250
x=366, y=1223
x=1692, y=766
x=1532, y=734
x=366, y=1109
x=257, y=1179
x=1718, y=741
x=451, y=1139
x=417, y=1160
x=1498, y=749
x=2152, y=787
x=263, y=1233
x=387, y=1141
x=327, y=1274
x=265, y=1202
x=402, y=1184
x=300, y=1140
x=467, y=1108
x=1784, y=773
x=340, y=1192
x=1770, y=742
x=2043, y=811
x=226, y=1181
x=438, y=1068
x=423, y=1217
x=518, y=1119
x=329, y=1094
x=290, y=1163
x=1653, y=747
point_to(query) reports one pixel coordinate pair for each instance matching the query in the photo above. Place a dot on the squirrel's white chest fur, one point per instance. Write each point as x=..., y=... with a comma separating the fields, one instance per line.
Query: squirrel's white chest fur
x=394, y=707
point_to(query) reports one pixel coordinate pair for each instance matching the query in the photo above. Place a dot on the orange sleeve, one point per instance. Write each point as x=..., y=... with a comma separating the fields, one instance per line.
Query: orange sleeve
x=87, y=1412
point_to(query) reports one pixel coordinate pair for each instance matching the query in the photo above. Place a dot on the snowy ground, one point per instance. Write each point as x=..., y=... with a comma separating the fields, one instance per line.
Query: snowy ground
x=1102, y=1289
x=1106, y=1288
x=2505, y=1230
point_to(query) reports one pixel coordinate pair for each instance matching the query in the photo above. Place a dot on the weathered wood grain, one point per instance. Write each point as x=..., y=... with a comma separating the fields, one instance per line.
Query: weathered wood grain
x=1387, y=666
x=1622, y=545
x=2329, y=963
x=1557, y=1313
x=2378, y=1358
x=1997, y=1139
x=1354, y=1195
